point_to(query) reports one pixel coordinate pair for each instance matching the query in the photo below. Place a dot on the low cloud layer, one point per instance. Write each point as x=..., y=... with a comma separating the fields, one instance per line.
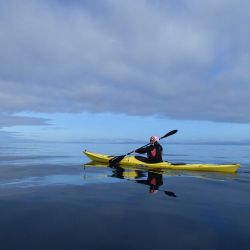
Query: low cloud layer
x=185, y=60
x=13, y=120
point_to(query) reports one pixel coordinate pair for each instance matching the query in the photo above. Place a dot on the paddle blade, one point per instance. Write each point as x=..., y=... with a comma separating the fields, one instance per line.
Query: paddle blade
x=169, y=133
x=169, y=193
x=115, y=160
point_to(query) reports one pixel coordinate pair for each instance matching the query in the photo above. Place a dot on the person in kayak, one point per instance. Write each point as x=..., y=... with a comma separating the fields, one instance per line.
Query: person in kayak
x=154, y=150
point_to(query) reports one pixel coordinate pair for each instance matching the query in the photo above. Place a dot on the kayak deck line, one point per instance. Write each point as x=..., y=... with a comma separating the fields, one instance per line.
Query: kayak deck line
x=142, y=161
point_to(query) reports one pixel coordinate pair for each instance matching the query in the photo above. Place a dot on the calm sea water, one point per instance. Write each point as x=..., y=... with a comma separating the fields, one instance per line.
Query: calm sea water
x=49, y=200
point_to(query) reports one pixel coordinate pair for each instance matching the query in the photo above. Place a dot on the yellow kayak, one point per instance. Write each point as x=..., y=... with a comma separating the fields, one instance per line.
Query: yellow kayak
x=142, y=161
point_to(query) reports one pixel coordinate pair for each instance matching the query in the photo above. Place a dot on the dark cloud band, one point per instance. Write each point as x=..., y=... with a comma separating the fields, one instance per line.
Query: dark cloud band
x=169, y=61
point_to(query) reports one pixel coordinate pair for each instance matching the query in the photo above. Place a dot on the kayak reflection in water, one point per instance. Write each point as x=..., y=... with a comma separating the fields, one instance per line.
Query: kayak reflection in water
x=120, y=173
x=154, y=180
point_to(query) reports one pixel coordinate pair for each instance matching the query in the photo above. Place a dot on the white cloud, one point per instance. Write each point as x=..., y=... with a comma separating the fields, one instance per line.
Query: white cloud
x=186, y=61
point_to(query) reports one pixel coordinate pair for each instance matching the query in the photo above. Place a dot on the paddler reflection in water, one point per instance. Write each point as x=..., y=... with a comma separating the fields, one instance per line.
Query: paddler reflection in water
x=154, y=180
x=154, y=150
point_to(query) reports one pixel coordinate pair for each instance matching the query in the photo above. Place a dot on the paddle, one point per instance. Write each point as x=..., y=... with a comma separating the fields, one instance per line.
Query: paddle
x=169, y=193
x=115, y=160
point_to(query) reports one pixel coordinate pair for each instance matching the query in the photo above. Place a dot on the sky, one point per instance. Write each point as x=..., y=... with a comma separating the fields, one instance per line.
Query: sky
x=116, y=70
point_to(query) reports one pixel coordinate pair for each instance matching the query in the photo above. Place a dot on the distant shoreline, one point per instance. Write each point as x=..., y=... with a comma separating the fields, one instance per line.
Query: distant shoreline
x=229, y=143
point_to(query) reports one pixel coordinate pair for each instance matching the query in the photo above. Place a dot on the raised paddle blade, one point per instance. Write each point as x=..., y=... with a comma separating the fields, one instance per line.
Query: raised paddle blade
x=169, y=133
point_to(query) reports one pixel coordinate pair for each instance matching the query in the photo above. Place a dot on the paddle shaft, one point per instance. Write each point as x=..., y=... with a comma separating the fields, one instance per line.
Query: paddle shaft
x=117, y=159
x=164, y=136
